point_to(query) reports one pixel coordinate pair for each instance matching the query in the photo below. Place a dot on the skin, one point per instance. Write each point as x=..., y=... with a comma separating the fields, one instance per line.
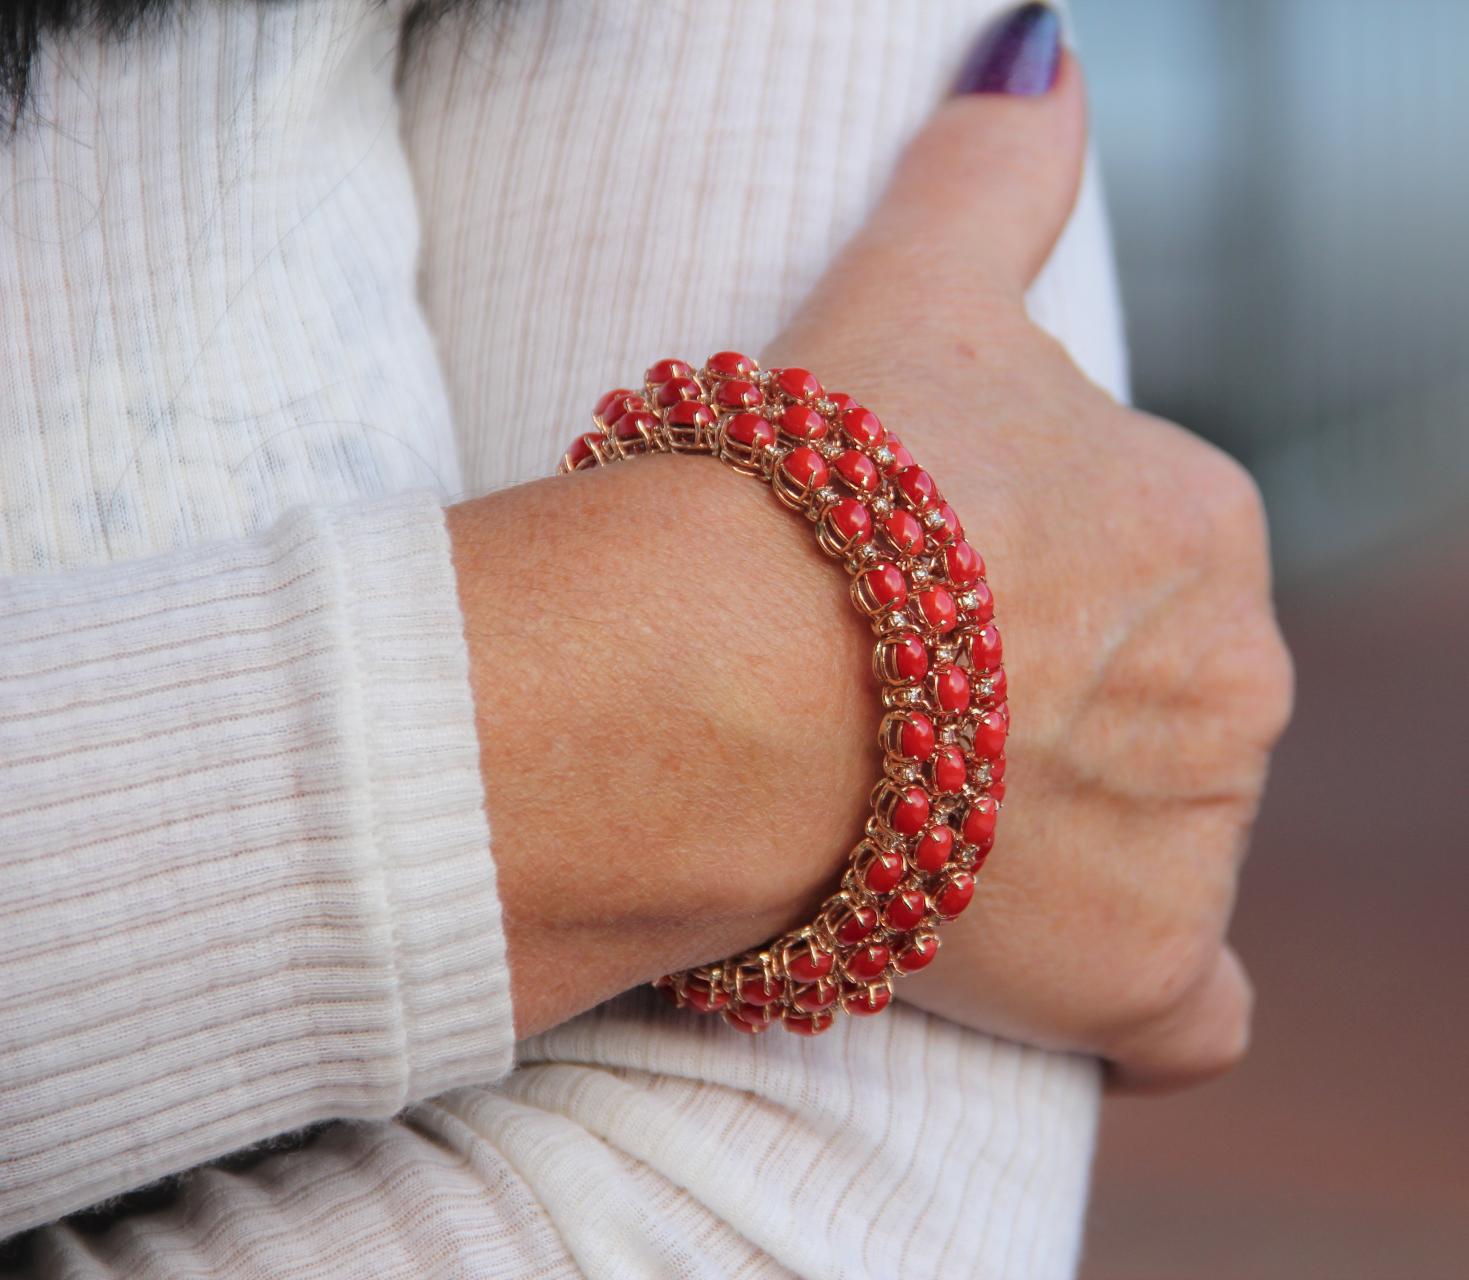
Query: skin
x=657, y=793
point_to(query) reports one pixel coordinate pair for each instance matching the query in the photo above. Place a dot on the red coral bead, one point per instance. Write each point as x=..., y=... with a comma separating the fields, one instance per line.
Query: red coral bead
x=761, y=991
x=808, y=962
x=951, y=688
x=990, y=731
x=948, y=770
x=856, y=924
x=999, y=685
x=622, y=405
x=581, y=449
x=997, y=768
x=917, y=737
x=731, y=364
x=905, y=530
x=858, y=470
x=868, y=962
x=867, y=1001
x=743, y=1017
x=806, y=467
x=886, y=584
x=962, y=563
x=738, y=395
x=632, y=425
x=691, y=413
x=983, y=607
x=902, y=459
x=910, y=656
x=938, y=609
x=910, y=812
x=665, y=370
x=905, y=911
x=799, y=384
x=883, y=872
x=851, y=520
x=980, y=821
x=863, y=427
x=933, y=849
x=954, y=896
x=947, y=527
x=801, y=423
x=608, y=400
x=815, y=998
x=749, y=429
x=918, y=487
x=985, y=649
x=919, y=953
x=676, y=389
x=807, y=1024
x=704, y=999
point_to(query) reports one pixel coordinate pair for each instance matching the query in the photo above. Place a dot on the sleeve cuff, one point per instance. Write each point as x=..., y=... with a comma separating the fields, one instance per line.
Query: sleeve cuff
x=245, y=871
x=440, y=910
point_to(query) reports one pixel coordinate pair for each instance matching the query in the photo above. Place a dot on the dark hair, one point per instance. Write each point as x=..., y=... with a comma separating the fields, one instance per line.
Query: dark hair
x=24, y=24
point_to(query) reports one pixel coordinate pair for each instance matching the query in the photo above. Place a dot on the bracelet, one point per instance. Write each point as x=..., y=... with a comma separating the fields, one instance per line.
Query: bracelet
x=937, y=659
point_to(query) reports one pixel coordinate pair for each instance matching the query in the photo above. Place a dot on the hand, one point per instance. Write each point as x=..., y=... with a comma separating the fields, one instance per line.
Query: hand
x=1129, y=560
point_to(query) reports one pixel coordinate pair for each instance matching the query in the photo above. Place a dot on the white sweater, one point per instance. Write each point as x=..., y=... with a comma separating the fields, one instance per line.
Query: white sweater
x=264, y=306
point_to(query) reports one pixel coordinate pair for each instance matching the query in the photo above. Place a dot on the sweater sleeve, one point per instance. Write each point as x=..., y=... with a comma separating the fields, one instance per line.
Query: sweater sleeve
x=245, y=877
x=637, y=1143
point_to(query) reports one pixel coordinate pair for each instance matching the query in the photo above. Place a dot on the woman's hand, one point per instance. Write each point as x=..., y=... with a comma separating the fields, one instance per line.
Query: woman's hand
x=676, y=701
x=1129, y=559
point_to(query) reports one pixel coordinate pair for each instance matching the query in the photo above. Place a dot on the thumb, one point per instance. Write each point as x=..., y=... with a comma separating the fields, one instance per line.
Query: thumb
x=982, y=193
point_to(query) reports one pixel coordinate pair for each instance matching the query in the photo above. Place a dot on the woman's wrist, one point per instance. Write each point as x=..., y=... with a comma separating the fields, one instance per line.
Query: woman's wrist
x=649, y=652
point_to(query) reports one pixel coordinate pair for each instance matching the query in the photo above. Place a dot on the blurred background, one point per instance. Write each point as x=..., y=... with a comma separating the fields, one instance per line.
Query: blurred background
x=1289, y=187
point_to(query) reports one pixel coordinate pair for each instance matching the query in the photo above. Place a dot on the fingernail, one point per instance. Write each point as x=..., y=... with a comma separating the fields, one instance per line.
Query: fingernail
x=1019, y=54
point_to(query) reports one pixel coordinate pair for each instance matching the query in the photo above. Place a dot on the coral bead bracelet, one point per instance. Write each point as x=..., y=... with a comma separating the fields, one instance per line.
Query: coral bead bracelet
x=937, y=659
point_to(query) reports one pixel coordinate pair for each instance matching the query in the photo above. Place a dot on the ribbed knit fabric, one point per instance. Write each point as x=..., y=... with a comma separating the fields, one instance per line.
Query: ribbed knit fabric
x=245, y=880
x=605, y=183
x=244, y=872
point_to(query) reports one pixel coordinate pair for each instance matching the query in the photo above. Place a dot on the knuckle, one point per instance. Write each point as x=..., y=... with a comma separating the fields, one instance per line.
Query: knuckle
x=1199, y=1030
x=1216, y=503
x=1164, y=985
x=1225, y=1043
x=1232, y=507
x=1276, y=682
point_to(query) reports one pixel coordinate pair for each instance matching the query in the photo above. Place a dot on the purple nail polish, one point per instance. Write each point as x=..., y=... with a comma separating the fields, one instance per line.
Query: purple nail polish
x=1018, y=54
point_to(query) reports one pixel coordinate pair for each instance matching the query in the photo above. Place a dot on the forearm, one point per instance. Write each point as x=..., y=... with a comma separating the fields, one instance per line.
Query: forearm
x=657, y=649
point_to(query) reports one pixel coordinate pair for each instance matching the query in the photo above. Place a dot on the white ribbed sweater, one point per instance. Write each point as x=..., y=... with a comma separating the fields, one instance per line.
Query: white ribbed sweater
x=262, y=309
